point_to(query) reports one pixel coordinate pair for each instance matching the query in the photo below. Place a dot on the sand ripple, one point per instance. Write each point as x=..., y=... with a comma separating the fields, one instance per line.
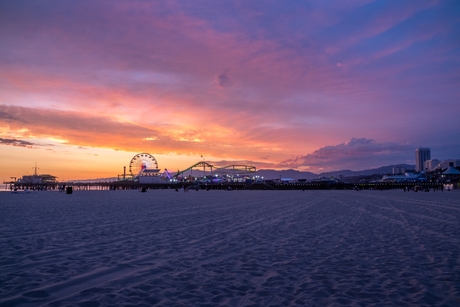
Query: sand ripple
x=240, y=248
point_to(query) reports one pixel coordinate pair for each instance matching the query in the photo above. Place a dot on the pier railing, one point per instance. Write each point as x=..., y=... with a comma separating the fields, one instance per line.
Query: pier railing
x=266, y=185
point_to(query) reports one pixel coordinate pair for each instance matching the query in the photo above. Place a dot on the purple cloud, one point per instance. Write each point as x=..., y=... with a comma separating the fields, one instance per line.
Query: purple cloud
x=19, y=143
x=224, y=79
x=356, y=154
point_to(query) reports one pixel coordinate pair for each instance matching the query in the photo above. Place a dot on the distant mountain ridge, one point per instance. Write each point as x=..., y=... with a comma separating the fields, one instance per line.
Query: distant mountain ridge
x=289, y=173
x=294, y=174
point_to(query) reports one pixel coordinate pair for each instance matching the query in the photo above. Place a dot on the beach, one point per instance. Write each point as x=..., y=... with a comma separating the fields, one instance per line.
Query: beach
x=230, y=248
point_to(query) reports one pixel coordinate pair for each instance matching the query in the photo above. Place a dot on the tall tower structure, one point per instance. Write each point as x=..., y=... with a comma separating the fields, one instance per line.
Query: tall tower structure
x=421, y=155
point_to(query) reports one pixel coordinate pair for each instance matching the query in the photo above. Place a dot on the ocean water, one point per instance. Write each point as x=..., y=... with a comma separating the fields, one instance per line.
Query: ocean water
x=230, y=248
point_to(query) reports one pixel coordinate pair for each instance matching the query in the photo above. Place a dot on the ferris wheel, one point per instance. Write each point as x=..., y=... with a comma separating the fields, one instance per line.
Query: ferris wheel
x=142, y=162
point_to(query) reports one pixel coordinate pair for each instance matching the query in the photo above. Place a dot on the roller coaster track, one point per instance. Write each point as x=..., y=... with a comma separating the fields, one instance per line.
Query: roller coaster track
x=235, y=169
x=199, y=164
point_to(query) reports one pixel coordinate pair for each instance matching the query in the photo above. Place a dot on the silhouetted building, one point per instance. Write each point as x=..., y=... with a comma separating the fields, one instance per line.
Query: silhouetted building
x=446, y=163
x=431, y=164
x=37, y=179
x=451, y=174
x=399, y=170
x=421, y=155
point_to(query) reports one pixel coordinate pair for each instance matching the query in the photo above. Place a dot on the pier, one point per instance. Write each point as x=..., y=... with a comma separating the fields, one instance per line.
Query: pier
x=232, y=186
x=144, y=174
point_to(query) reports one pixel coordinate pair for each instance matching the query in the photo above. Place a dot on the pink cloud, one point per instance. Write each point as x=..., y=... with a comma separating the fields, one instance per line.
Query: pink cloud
x=382, y=21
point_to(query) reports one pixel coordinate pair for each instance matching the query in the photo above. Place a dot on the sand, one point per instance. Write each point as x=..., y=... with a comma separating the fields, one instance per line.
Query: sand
x=238, y=248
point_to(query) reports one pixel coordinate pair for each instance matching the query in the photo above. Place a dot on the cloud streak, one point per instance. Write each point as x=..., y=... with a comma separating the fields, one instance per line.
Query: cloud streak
x=19, y=143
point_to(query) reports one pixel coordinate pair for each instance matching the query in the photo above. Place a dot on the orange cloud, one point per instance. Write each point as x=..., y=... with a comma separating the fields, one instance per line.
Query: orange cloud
x=83, y=129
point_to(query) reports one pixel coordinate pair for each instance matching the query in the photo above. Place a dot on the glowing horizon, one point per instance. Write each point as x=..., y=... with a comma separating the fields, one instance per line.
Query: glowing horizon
x=318, y=86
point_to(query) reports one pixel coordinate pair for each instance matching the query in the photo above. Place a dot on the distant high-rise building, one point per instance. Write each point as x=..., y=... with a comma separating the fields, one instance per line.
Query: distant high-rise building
x=421, y=155
x=430, y=165
x=446, y=163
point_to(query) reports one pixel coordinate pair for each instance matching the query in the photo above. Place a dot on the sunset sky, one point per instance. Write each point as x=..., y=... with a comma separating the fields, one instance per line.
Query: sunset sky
x=308, y=85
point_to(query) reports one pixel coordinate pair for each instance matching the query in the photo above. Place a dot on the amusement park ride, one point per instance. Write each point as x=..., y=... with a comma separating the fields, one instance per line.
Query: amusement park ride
x=144, y=169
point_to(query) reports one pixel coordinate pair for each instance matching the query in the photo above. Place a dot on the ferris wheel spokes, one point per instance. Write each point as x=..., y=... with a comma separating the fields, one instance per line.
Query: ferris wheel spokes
x=143, y=163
